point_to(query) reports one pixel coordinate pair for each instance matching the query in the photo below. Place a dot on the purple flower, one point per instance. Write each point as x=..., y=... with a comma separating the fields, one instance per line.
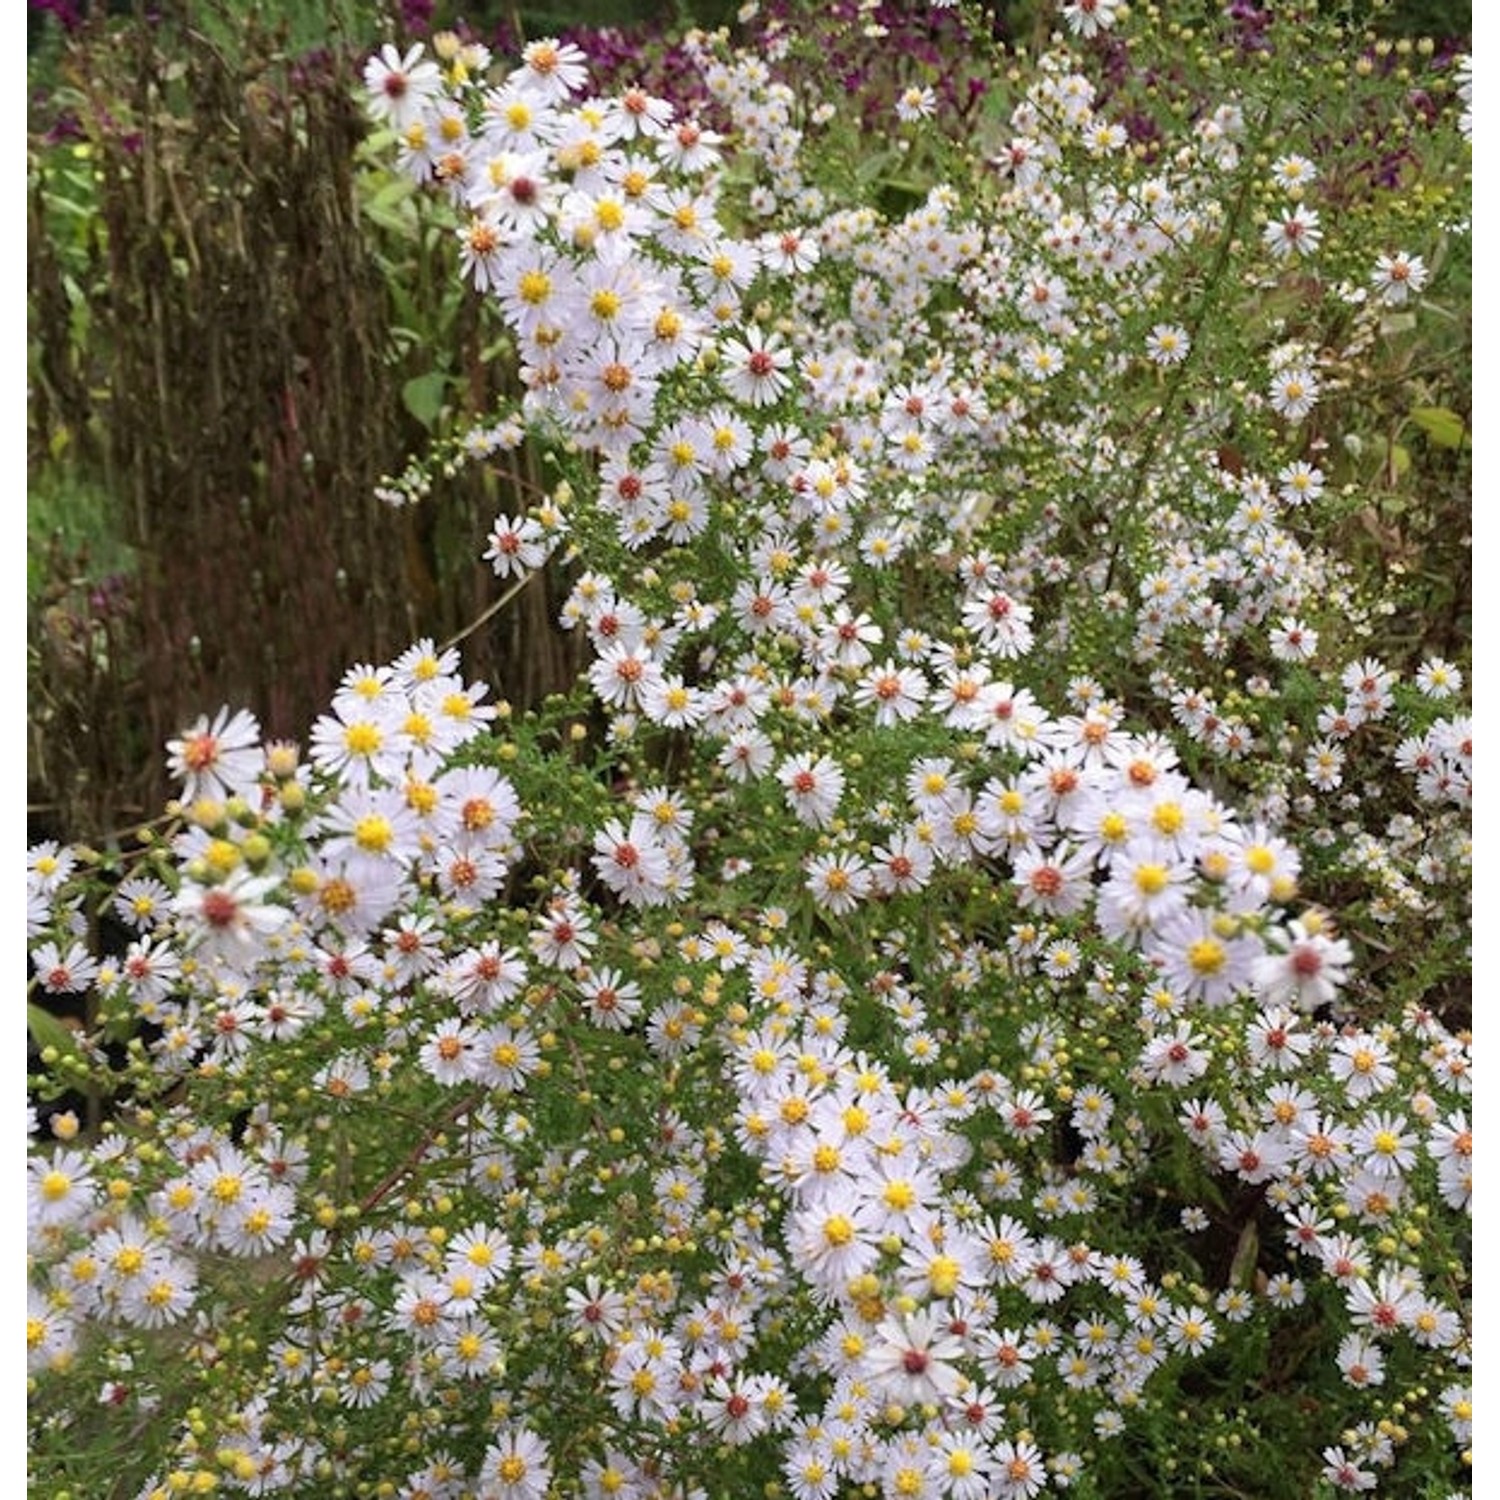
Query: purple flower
x=68, y=14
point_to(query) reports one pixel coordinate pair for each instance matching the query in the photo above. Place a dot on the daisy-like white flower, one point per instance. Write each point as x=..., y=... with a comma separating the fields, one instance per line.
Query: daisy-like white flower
x=730, y=1409
x=961, y=1463
x=632, y=861
x=1001, y=623
x=1308, y=972
x=756, y=365
x=845, y=638
x=1361, y=1062
x=484, y=978
x=504, y=1057
x=51, y=1332
x=516, y=195
x=611, y=1001
x=622, y=674
x=903, y=864
x=448, y=1052
x=343, y=1078
x=1199, y=959
x=1295, y=234
x=1254, y=1157
x=1274, y=1041
x=48, y=866
x=1397, y=277
x=1293, y=173
x=896, y=693
x=1294, y=391
x=479, y=807
x=481, y=247
x=563, y=936
x=689, y=146
x=1147, y=885
x=1300, y=482
x=1385, y=1303
x=1167, y=344
x=1384, y=1145
x=832, y=1241
x=594, y=1310
x=361, y=741
x=412, y=947
x=914, y=1358
x=1019, y=1470
x=219, y=757
x=1190, y=1329
x=231, y=919
x=635, y=112
x=60, y=1190
x=1437, y=678
x=376, y=823
x=1087, y=18
x=1292, y=641
x=1324, y=765
x=516, y=545
x=400, y=87
x=1457, y=1404
x=916, y=103
x=1052, y=882
x=351, y=894
x=746, y=754
x=517, y=119
x=838, y=881
x=60, y=973
x=1177, y=1058
x=671, y=703
x=789, y=252
x=813, y=786
x=1344, y=1473
x=141, y=902
x=551, y=71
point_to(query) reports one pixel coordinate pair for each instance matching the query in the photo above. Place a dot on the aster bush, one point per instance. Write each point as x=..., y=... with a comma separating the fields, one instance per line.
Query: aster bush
x=967, y=995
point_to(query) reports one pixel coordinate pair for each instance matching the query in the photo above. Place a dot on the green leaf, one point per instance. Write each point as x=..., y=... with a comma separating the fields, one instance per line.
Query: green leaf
x=1443, y=427
x=49, y=1031
x=423, y=396
x=1246, y=1253
x=391, y=203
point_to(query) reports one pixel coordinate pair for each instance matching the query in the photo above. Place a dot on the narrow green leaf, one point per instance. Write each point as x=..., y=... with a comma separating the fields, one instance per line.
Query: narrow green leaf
x=1246, y=1252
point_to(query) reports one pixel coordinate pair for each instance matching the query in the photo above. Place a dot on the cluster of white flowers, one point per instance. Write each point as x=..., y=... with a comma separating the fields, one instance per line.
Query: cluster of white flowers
x=516, y=1097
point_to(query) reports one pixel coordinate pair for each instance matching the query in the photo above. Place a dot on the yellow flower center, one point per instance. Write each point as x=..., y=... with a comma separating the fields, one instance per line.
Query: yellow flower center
x=362, y=739
x=373, y=834
x=1206, y=956
x=1168, y=817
